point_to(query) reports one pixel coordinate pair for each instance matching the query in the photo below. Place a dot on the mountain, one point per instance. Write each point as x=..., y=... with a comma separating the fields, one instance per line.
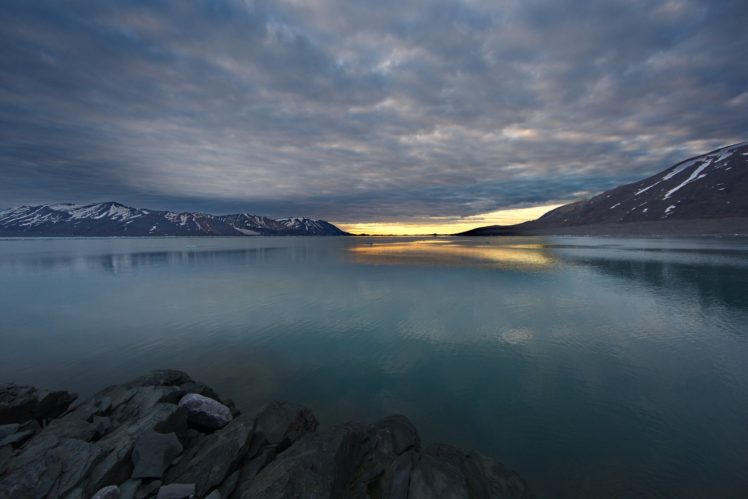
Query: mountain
x=707, y=194
x=115, y=219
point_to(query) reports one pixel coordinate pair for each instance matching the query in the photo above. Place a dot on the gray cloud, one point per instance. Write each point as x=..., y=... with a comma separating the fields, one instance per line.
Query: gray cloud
x=357, y=110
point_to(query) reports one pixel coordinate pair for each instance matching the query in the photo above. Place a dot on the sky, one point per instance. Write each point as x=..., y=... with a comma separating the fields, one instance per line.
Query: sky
x=382, y=116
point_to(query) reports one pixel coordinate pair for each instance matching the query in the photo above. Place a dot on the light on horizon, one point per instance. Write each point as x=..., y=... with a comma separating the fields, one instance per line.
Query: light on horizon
x=448, y=226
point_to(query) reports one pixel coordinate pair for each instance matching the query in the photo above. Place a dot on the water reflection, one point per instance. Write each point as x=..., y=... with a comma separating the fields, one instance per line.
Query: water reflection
x=595, y=367
x=442, y=252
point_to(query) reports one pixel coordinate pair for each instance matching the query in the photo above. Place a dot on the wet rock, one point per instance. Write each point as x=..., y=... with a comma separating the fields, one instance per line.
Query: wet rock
x=214, y=495
x=205, y=412
x=108, y=492
x=19, y=404
x=214, y=458
x=153, y=453
x=177, y=491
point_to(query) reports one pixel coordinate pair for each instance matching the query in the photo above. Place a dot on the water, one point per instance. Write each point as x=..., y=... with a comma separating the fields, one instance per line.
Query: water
x=595, y=367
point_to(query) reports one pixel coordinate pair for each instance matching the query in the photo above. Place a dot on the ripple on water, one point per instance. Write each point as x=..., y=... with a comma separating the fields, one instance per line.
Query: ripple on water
x=517, y=336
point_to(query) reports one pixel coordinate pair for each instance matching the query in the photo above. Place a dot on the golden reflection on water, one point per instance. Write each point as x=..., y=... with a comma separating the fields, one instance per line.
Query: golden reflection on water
x=453, y=253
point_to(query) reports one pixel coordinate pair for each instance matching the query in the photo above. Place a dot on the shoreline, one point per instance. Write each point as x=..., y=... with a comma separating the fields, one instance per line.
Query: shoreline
x=165, y=436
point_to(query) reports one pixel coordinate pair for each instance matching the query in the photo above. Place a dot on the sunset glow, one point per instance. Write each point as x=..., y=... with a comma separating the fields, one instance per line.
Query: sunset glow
x=448, y=225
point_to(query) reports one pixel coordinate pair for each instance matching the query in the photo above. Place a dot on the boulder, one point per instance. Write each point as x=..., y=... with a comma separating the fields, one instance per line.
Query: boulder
x=117, y=466
x=19, y=404
x=128, y=489
x=306, y=469
x=444, y=471
x=49, y=467
x=108, y=492
x=280, y=424
x=205, y=412
x=177, y=491
x=153, y=453
x=214, y=458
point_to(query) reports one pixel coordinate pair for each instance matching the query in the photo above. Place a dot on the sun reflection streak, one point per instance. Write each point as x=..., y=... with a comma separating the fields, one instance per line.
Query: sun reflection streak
x=450, y=253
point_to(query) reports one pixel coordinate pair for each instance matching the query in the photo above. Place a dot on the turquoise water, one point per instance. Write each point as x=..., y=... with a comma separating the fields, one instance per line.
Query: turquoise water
x=596, y=367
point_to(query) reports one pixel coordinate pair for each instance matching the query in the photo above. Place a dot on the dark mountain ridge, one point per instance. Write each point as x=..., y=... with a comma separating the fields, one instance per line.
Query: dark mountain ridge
x=706, y=194
x=115, y=219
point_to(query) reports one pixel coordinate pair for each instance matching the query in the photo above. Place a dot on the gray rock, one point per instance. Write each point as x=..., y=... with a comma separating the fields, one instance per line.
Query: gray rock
x=214, y=495
x=16, y=438
x=162, y=377
x=148, y=489
x=19, y=404
x=205, y=412
x=177, y=491
x=444, y=471
x=16, y=434
x=8, y=429
x=5, y=454
x=128, y=489
x=116, y=467
x=153, y=453
x=108, y=492
x=306, y=469
x=368, y=459
x=229, y=485
x=212, y=459
x=49, y=467
x=280, y=424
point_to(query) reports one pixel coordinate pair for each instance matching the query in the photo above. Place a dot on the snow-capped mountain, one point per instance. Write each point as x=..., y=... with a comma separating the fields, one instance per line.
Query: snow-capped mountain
x=115, y=219
x=710, y=187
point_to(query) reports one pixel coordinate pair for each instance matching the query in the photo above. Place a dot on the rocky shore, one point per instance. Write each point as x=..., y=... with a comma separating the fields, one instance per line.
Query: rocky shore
x=166, y=436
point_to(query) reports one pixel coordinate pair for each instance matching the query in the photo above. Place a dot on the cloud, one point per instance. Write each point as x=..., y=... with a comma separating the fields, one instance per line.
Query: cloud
x=360, y=111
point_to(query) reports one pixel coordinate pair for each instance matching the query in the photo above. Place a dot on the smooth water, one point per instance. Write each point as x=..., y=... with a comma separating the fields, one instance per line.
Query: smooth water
x=595, y=367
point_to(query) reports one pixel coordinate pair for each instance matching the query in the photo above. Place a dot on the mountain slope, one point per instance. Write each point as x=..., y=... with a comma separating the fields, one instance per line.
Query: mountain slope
x=711, y=188
x=115, y=219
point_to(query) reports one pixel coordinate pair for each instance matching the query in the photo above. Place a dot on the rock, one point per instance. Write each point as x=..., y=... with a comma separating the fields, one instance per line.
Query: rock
x=16, y=439
x=281, y=424
x=177, y=491
x=148, y=489
x=133, y=434
x=8, y=429
x=108, y=492
x=229, y=484
x=117, y=466
x=162, y=377
x=205, y=412
x=444, y=471
x=15, y=434
x=5, y=454
x=369, y=456
x=213, y=458
x=49, y=467
x=306, y=469
x=153, y=453
x=19, y=404
x=128, y=489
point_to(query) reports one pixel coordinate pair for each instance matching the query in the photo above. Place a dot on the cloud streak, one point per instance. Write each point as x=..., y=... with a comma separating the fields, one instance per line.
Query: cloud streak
x=359, y=111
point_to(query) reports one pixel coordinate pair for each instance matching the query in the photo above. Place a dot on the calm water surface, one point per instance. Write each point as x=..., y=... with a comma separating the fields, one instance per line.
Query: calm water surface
x=595, y=367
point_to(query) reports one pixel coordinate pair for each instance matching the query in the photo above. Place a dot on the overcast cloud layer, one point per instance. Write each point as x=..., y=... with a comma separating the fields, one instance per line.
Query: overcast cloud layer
x=360, y=110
